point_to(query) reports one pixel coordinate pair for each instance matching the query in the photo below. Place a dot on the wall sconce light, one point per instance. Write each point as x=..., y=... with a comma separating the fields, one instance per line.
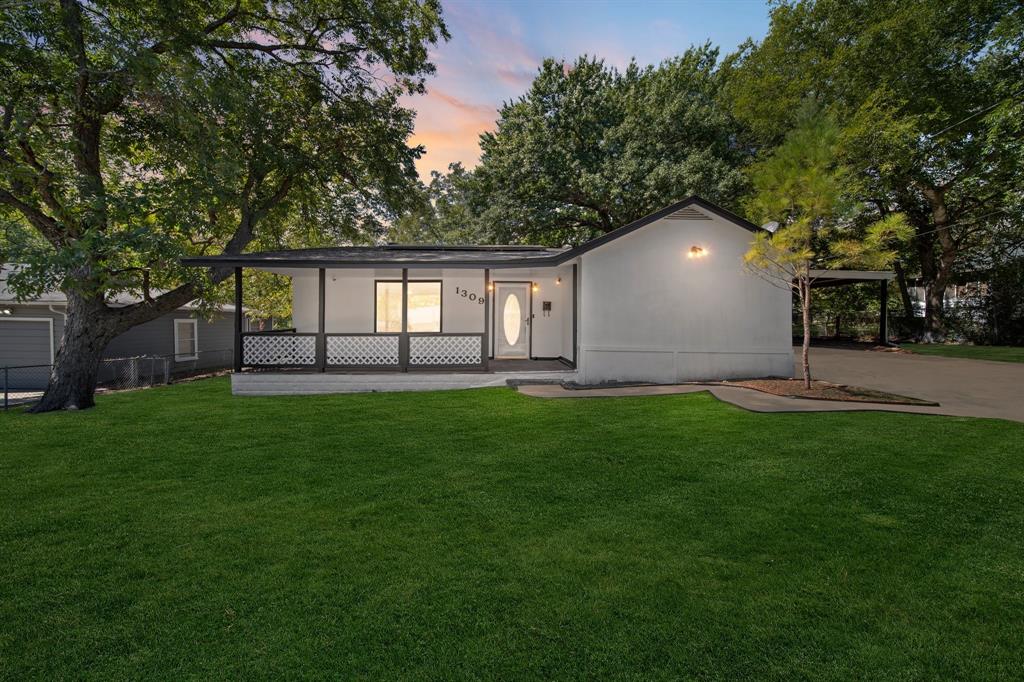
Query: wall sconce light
x=696, y=252
x=490, y=286
x=558, y=280
x=535, y=288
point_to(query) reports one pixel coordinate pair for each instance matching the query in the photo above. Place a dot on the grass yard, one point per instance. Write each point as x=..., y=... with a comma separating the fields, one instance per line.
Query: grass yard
x=180, y=532
x=951, y=350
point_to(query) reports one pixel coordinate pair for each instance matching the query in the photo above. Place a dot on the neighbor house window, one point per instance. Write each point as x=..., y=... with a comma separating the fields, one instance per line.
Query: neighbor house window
x=424, y=310
x=186, y=342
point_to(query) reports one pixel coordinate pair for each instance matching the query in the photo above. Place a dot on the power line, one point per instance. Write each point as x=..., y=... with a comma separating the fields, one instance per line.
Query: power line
x=975, y=114
x=959, y=222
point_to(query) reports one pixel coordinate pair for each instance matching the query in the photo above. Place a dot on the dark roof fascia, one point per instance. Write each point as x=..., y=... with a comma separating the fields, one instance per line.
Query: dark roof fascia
x=242, y=261
x=653, y=217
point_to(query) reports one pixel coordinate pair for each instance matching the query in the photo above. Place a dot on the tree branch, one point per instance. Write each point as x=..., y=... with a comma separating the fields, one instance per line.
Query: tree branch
x=47, y=226
x=44, y=180
x=280, y=47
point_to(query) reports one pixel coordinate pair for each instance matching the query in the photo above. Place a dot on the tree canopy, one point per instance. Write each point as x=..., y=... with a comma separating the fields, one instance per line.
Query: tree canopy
x=804, y=189
x=927, y=95
x=588, y=149
x=444, y=212
x=135, y=133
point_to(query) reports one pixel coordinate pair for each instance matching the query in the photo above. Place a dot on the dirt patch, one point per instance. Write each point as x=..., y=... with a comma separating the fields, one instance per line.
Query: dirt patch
x=824, y=390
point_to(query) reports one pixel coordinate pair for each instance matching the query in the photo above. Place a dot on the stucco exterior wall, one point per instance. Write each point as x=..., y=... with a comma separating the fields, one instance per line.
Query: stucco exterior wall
x=650, y=313
x=349, y=301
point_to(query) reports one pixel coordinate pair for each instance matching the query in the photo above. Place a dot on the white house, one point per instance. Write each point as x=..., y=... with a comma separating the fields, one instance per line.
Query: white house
x=664, y=299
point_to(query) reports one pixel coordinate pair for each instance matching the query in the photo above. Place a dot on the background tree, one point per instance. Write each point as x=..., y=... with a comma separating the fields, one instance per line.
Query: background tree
x=925, y=93
x=445, y=213
x=588, y=149
x=844, y=308
x=132, y=134
x=803, y=188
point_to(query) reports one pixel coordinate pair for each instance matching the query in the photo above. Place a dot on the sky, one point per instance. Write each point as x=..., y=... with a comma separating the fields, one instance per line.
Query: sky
x=497, y=45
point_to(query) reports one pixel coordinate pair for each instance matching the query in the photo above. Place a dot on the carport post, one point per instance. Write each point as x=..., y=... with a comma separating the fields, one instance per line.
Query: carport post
x=883, y=312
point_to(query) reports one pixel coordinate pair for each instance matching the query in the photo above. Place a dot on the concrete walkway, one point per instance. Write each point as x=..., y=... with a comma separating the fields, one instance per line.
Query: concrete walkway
x=967, y=388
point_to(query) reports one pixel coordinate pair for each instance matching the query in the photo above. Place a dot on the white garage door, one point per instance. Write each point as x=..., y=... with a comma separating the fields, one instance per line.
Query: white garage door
x=25, y=341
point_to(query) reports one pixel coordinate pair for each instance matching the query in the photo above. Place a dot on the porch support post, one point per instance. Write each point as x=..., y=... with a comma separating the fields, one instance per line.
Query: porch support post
x=403, y=339
x=575, y=310
x=486, y=341
x=883, y=313
x=238, y=319
x=321, y=338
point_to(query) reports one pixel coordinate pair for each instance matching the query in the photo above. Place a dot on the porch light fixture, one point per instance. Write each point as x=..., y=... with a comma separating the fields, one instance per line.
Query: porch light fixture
x=535, y=288
x=696, y=252
x=490, y=287
x=558, y=280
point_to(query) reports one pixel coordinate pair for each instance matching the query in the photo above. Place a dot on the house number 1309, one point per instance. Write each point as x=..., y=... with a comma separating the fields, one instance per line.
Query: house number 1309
x=460, y=291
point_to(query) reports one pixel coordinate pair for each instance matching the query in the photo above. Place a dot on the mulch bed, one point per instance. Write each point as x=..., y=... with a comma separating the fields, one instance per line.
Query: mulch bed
x=824, y=390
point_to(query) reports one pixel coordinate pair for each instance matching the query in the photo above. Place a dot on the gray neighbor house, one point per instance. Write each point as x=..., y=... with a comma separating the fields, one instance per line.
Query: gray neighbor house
x=30, y=332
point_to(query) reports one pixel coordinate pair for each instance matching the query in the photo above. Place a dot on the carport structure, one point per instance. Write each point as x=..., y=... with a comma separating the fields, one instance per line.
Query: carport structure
x=840, y=278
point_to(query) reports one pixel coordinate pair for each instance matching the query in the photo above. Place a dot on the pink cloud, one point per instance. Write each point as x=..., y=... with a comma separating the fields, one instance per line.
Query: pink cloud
x=520, y=78
x=461, y=105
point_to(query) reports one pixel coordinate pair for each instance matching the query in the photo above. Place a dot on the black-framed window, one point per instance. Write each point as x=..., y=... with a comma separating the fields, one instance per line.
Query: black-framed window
x=424, y=309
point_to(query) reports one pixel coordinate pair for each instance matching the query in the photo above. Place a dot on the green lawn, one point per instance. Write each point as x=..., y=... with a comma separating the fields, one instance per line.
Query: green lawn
x=950, y=350
x=181, y=532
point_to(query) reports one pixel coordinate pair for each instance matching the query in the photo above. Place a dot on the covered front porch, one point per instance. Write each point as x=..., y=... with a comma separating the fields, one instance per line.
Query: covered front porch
x=436, y=315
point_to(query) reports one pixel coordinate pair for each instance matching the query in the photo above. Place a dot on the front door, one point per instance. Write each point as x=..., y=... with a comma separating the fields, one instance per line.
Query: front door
x=511, y=320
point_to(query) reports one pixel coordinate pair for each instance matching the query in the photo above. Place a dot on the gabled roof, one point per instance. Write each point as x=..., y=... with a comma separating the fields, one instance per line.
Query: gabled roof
x=469, y=256
x=678, y=207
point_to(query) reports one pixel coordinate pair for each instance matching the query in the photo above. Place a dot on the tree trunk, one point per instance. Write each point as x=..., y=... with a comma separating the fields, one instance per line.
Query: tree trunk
x=901, y=280
x=936, y=269
x=88, y=328
x=934, y=326
x=805, y=353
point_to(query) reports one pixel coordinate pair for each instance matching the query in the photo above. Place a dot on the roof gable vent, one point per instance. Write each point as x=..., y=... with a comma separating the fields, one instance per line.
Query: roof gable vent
x=687, y=213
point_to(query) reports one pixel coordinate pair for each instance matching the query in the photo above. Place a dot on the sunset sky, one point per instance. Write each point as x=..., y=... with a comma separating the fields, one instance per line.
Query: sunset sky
x=497, y=45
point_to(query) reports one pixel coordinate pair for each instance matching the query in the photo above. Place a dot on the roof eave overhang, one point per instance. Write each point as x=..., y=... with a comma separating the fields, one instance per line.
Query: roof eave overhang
x=242, y=262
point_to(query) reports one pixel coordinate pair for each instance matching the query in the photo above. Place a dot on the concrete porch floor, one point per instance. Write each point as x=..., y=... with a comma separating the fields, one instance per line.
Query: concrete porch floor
x=499, y=373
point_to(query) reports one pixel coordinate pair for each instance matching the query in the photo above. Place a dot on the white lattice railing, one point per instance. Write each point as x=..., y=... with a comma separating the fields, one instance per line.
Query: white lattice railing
x=278, y=349
x=454, y=350
x=362, y=350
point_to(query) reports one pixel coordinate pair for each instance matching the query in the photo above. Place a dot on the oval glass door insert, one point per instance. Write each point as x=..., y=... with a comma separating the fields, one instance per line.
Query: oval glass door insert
x=510, y=319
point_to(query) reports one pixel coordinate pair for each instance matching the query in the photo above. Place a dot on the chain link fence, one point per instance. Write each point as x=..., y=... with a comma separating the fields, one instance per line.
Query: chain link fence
x=25, y=384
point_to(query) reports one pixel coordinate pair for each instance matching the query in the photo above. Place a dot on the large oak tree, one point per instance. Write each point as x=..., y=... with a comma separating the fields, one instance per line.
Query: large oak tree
x=133, y=133
x=588, y=148
x=928, y=94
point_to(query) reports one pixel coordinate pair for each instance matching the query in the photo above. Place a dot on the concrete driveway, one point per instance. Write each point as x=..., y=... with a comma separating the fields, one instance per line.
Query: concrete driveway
x=969, y=388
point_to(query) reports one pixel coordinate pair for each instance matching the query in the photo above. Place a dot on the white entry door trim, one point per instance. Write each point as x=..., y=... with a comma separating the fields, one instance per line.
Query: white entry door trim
x=513, y=308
